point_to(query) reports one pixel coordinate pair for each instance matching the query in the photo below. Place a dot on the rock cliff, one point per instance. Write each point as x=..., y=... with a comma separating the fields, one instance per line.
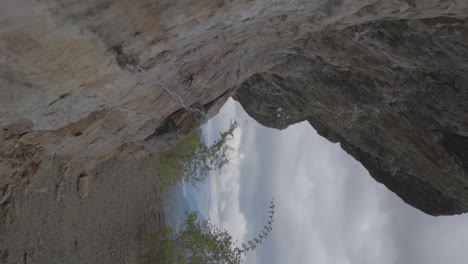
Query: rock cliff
x=393, y=93
x=91, y=81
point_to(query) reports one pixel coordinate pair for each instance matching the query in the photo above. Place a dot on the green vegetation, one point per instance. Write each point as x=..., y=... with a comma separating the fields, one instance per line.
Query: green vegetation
x=200, y=242
x=192, y=160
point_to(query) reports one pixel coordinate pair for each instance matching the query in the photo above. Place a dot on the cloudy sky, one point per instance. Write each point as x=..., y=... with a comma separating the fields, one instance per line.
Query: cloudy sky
x=328, y=209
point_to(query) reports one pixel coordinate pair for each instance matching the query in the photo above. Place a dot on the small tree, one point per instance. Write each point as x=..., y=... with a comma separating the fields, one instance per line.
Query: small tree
x=192, y=160
x=200, y=242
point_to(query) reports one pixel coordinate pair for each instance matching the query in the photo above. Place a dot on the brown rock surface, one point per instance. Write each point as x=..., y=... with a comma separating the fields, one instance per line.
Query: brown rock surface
x=86, y=83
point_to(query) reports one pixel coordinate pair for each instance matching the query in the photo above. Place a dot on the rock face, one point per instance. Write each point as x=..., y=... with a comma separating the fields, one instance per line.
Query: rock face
x=393, y=93
x=88, y=81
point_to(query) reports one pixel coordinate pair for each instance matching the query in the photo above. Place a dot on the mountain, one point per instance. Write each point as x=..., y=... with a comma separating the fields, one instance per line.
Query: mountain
x=185, y=198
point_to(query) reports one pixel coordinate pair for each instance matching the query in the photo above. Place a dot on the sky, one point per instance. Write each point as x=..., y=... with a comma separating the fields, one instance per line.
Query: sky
x=328, y=208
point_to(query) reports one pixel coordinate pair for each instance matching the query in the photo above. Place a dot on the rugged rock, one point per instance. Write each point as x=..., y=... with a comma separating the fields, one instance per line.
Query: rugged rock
x=393, y=93
x=88, y=82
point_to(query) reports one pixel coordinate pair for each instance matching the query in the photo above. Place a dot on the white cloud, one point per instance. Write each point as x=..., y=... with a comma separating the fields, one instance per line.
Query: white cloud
x=329, y=210
x=225, y=189
x=314, y=222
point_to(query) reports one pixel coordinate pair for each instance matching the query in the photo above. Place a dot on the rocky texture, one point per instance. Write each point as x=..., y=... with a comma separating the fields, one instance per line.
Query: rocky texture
x=51, y=221
x=88, y=81
x=393, y=93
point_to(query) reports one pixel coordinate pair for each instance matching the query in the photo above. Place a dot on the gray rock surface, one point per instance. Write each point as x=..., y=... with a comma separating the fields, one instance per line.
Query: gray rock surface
x=393, y=93
x=94, y=81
